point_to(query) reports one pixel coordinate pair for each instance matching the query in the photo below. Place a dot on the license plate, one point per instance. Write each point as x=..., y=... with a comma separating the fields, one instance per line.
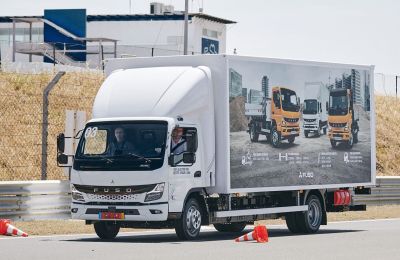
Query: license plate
x=293, y=132
x=337, y=138
x=111, y=215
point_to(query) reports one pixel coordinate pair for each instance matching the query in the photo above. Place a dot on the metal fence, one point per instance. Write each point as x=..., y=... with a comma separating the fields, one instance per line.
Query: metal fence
x=35, y=200
x=22, y=120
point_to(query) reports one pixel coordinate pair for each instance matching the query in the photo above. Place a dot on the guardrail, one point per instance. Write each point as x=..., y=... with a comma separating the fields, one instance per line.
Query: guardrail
x=386, y=192
x=37, y=200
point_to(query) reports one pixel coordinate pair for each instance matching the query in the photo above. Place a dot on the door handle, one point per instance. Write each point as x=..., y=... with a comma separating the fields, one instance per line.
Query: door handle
x=197, y=174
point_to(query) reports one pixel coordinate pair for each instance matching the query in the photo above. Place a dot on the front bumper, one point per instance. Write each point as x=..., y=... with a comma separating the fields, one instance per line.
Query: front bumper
x=339, y=136
x=289, y=131
x=310, y=127
x=145, y=212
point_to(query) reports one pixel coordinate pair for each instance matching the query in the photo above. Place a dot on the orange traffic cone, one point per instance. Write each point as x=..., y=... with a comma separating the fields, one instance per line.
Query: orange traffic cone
x=260, y=234
x=7, y=229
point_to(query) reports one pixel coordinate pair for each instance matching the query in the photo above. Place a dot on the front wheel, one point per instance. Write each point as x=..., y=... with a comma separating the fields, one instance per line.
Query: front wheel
x=106, y=230
x=333, y=143
x=230, y=227
x=291, y=139
x=188, y=226
x=275, y=138
x=306, y=134
x=350, y=142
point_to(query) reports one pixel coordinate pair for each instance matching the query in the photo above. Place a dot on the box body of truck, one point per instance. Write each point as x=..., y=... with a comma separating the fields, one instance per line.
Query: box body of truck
x=304, y=164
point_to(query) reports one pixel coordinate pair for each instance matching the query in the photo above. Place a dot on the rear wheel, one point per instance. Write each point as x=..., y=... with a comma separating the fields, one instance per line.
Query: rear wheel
x=253, y=134
x=309, y=221
x=188, y=226
x=291, y=222
x=106, y=230
x=230, y=227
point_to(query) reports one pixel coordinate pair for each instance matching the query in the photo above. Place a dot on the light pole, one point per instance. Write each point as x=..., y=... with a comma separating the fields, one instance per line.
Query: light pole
x=396, y=86
x=185, y=33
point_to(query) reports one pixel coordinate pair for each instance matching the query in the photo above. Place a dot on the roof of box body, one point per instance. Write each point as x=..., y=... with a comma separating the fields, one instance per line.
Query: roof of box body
x=133, y=17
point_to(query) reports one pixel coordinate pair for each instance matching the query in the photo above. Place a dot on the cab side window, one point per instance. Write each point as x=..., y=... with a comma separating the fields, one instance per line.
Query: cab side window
x=276, y=99
x=183, y=146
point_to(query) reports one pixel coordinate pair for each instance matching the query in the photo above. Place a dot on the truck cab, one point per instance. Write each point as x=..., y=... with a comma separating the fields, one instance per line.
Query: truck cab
x=343, y=124
x=315, y=109
x=285, y=115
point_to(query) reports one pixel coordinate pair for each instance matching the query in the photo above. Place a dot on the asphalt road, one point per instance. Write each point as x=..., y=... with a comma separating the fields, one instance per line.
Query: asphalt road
x=376, y=239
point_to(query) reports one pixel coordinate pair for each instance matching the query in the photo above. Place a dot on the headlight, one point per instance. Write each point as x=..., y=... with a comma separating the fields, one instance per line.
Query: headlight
x=283, y=122
x=156, y=193
x=346, y=128
x=76, y=195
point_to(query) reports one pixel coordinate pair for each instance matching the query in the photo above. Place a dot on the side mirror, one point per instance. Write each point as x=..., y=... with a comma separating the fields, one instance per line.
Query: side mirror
x=62, y=158
x=189, y=158
x=61, y=143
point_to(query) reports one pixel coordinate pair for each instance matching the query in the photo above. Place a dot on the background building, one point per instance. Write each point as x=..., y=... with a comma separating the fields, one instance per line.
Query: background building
x=82, y=38
x=265, y=86
x=235, y=84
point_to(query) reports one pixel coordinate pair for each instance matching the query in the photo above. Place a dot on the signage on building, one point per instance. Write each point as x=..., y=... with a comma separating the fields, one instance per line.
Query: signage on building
x=209, y=46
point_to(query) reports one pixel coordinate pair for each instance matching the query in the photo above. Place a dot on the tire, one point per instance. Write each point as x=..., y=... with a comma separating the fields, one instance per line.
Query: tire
x=355, y=137
x=310, y=221
x=253, y=134
x=333, y=143
x=319, y=132
x=324, y=130
x=106, y=229
x=291, y=139
x=230, y=227
x=350, y=143
x=275, y=138
x=291, y=222
x=188, y=226
x=306, y=134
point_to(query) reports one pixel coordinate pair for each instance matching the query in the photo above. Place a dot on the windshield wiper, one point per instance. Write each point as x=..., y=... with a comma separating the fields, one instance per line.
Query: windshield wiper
x=134, y=156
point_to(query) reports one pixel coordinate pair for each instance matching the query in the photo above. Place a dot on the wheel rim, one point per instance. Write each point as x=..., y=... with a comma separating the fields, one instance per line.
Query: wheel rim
x=275, y=137
x=193, y=220
x=314, y=213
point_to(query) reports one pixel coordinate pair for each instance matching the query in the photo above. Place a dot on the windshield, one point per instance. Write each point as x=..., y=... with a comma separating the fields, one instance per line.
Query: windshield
x=122, y=146
x=289, y=100
x=310, y=107
x=338, y=103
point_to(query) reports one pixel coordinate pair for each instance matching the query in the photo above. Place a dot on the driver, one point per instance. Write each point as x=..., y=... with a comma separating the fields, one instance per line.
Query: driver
x=178, y=144
x=120, y=145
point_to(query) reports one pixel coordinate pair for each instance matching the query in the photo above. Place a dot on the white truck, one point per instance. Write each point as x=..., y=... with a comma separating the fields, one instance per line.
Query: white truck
x=315, y=108
x=168, y=147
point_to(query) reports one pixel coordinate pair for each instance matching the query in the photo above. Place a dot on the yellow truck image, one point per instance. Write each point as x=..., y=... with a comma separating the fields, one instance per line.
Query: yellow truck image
x=278, y=119
x=342, y=119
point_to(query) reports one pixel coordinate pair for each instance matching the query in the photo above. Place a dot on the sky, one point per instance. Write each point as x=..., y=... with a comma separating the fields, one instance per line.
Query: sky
x=346, y=31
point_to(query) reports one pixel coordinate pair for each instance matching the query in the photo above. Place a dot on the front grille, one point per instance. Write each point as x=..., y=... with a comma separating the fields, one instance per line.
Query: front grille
x=337, y=135
x=309, y=120
x=337, y=124
x=125, y=211
x=113, y=197
x=291, y=120
x=115, y=190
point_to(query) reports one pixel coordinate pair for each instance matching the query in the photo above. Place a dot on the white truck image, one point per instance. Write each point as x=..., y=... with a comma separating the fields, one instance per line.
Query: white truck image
x=166, y=144
x=315, y=108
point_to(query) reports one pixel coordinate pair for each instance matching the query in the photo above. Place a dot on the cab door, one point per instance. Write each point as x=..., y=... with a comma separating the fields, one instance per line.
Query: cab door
x=185, y=165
